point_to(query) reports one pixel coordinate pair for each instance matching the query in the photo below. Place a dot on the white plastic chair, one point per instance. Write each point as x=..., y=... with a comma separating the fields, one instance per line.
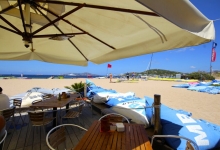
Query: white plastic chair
x=54, y=139
x=115, y=114
x=195, y=146
x=3, y=140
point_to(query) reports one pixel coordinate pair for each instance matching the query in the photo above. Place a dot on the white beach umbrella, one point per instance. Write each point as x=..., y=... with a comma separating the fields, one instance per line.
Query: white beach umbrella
x=78, y=31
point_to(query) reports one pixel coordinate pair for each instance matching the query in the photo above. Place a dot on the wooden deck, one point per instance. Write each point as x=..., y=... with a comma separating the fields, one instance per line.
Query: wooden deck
x=27, y=137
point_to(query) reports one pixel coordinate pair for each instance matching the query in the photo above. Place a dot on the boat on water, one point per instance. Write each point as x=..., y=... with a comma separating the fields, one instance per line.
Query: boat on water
x=71, y=74
x=100, y=77
x=22, y=77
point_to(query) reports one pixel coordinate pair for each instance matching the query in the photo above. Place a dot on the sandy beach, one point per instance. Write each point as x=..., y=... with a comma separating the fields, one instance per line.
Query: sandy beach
x=201, y=105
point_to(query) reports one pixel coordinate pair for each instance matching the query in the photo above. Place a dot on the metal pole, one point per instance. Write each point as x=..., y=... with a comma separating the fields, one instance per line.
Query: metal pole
x=150, y=63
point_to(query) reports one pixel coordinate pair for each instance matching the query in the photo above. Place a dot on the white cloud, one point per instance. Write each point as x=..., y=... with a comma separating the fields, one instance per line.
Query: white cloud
x=191, y=49
x=192, y=67
x=181, y=50
x=185, y=49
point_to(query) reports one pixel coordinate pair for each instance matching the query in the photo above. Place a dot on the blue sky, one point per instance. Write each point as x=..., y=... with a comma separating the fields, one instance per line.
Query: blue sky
x=185, y=60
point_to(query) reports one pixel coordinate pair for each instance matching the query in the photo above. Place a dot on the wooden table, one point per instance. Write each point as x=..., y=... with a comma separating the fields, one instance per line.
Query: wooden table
x=54, y=103
x=134, y=137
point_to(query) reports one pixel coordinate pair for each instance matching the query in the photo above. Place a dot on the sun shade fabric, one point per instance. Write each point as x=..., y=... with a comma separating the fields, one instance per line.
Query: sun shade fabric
x=124, y=34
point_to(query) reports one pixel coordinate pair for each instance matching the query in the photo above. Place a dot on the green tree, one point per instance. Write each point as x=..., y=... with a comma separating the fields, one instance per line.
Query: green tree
x=200, y=76
x=77, y=87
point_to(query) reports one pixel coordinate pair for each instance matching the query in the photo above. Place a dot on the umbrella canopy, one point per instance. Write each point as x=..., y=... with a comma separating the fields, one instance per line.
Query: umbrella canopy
x=78, y=31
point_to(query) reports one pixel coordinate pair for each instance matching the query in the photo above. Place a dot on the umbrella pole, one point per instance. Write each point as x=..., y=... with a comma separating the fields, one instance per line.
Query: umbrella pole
x=27, y=17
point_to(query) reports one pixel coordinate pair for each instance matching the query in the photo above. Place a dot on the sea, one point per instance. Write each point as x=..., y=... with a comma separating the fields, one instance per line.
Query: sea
x=11, y=76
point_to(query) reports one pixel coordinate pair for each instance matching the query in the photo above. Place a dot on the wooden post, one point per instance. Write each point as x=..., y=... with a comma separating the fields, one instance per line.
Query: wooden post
x=157, y=125
x=85, y=90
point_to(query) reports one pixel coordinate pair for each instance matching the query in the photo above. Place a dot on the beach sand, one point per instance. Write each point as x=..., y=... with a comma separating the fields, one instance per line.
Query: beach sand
x=201, y=105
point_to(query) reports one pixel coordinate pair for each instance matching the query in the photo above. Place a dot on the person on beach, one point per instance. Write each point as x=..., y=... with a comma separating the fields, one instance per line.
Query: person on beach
x=133, y=74
x=4, y=100
x=127, y=74
x=110, y=76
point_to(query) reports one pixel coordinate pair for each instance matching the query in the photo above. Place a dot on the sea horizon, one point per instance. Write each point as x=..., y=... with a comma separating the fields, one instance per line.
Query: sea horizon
x=32, y=76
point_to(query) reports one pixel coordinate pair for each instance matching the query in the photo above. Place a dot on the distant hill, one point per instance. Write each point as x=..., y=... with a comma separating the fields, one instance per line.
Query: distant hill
x=200, y=75
x=160, y=72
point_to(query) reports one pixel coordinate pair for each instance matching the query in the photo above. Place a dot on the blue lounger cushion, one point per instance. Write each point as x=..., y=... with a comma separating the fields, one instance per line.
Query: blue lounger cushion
x=179, y=122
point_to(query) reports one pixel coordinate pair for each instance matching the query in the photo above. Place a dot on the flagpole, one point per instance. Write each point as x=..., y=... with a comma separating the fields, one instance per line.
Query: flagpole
x=212, y=55
x=108, y=66
x=211, y=63
x=107, y=72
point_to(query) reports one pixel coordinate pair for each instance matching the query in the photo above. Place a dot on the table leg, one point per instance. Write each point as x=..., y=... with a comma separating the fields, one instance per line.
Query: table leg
x=55, y=116
x=67, y=107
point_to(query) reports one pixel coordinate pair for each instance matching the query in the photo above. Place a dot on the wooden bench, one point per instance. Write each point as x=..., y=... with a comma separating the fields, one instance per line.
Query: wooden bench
x=98, y=107
x=107, y=111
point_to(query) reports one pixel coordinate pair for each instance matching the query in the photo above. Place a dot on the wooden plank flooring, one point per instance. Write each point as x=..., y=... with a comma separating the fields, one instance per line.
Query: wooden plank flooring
x=27, y=137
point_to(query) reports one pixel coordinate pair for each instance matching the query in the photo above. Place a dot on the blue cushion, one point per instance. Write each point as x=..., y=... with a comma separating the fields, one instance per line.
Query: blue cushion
x=149, y=111
x=90, y=82
x=128, y=99
x=204, y=134
x=185, y=85
x=95, y=90
x=178, y=122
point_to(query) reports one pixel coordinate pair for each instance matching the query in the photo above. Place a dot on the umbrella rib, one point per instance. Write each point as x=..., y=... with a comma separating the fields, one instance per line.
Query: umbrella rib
x=62, y=31
x=162, y=36
x=51, y=35
x=10, y=24
x=77, y=27
x=78, y=49
x=59, y=18
x=22, y=16
x=9, y=29
x=8, y=8
x=101, y=7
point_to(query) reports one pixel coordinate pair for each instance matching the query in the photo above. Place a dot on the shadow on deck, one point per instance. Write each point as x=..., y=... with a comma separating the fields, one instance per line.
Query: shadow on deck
x=26, y=137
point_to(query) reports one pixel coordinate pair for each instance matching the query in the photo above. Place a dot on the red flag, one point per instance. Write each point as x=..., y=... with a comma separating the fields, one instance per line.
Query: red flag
x=213, y=55
x=213, y=52
x=109, y=65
